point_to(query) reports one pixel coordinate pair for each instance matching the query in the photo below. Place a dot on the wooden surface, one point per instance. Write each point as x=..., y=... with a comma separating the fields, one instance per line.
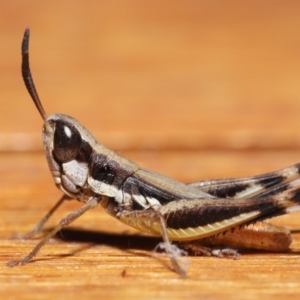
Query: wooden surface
x=194, y=90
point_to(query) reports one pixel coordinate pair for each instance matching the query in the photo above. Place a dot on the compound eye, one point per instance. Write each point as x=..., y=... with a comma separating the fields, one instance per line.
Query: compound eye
x=67, y=141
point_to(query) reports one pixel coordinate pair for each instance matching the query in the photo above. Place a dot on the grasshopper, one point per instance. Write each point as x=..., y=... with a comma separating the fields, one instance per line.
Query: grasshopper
x=199, y=216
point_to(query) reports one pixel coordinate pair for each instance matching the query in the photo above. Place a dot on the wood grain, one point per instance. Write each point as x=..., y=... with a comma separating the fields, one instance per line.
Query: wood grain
x=193, y=90
x=89, y=257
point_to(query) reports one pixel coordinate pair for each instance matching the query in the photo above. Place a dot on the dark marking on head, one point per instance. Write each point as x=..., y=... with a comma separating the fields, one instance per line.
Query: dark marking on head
x=85, y=152
x=67, y=141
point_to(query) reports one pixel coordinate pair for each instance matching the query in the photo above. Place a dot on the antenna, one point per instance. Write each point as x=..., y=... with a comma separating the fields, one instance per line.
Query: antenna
x=27, y=77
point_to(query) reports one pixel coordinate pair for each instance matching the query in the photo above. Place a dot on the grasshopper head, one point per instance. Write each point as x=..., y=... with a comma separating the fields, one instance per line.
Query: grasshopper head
x=79, y=165
x=67, y=144
x=68, y=147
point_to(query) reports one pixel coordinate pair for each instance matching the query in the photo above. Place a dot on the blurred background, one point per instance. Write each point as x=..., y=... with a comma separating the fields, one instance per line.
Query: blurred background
x=155, y=75
x=193, y=89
